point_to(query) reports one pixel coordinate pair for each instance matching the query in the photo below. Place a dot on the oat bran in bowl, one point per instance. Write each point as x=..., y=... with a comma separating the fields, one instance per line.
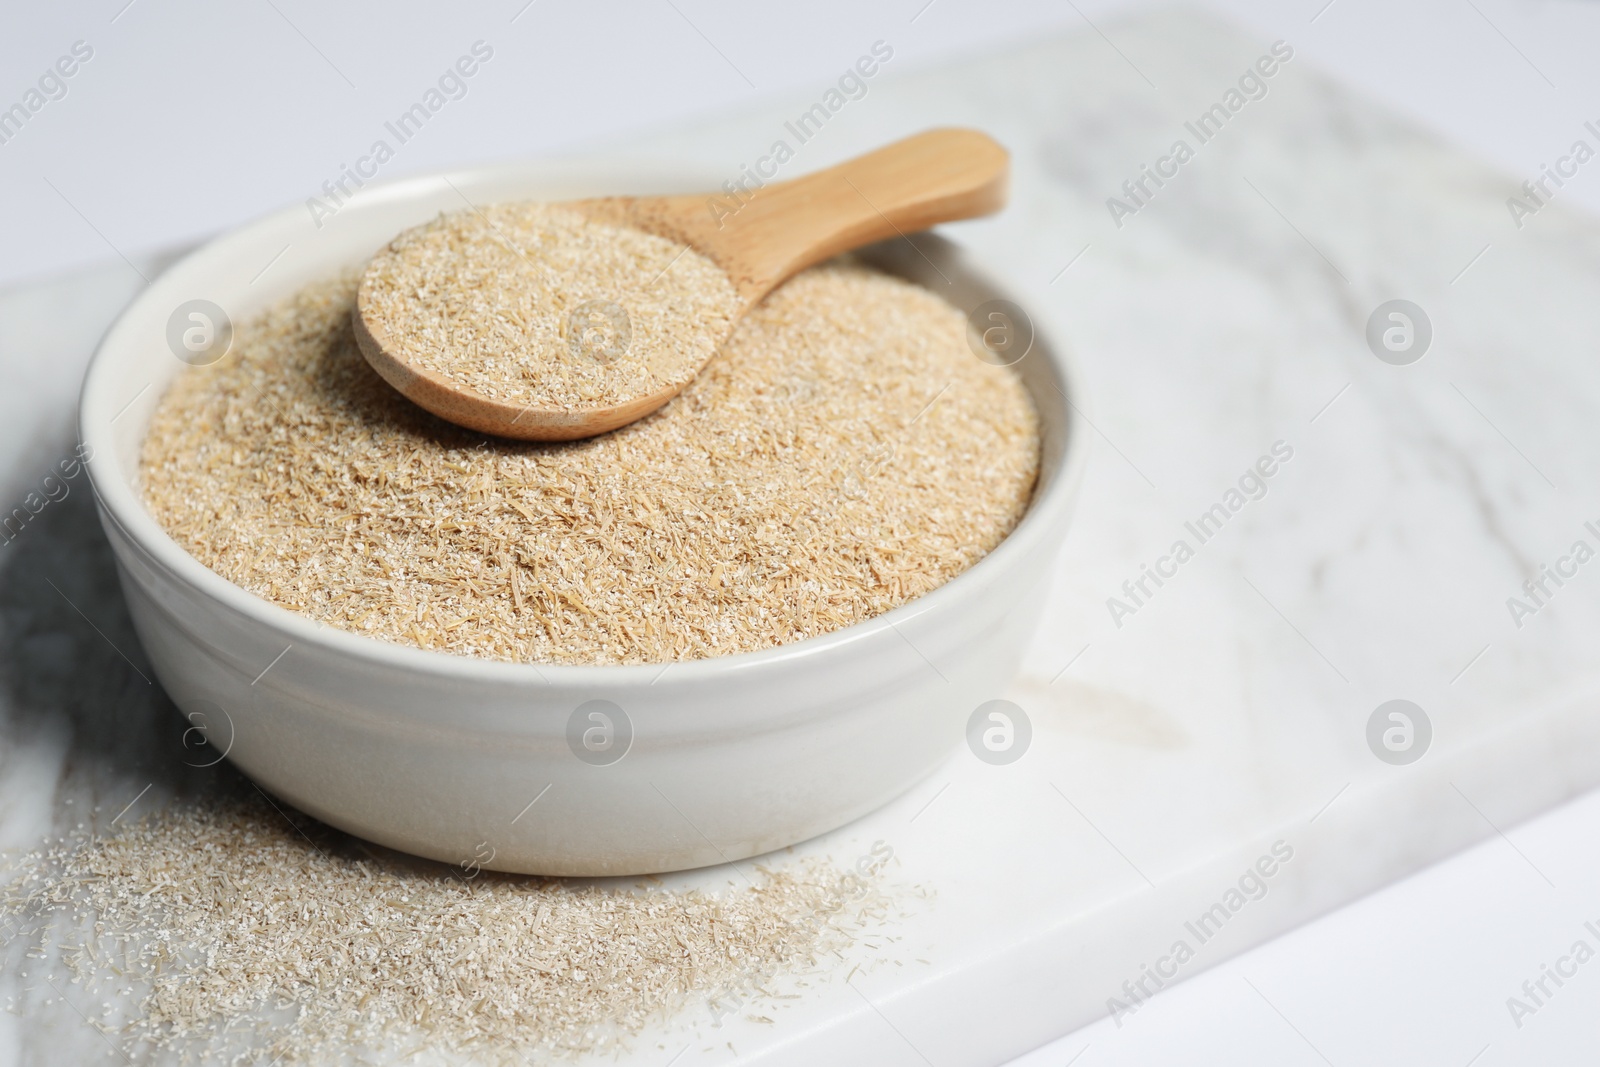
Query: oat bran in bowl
x=722, y=751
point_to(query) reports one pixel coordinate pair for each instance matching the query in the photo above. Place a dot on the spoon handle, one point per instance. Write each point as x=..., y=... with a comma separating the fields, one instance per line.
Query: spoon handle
x=937, y=176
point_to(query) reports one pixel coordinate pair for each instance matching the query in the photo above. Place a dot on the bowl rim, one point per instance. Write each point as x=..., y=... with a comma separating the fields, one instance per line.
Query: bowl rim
x=121, y=505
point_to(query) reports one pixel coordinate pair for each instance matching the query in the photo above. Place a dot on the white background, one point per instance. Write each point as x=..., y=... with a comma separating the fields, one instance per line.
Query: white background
x=193, y=117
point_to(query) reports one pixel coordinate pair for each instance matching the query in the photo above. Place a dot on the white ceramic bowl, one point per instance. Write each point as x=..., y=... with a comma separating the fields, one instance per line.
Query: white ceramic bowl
x=441, y=755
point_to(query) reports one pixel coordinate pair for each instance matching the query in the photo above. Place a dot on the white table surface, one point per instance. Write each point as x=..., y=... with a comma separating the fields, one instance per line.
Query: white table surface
x=1416, y=973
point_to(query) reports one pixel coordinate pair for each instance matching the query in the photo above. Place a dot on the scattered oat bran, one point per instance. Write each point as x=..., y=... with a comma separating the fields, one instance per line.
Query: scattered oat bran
x=244, y=941
x=843, y=454
x=534, y=304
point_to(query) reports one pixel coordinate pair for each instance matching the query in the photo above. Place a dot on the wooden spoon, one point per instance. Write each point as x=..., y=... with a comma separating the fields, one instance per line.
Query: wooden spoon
x=936, y=176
